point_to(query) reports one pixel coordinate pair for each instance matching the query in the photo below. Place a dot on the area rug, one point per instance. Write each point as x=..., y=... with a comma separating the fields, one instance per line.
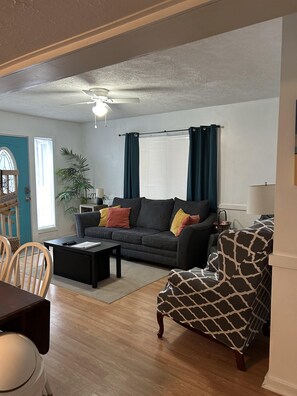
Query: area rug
x=135, y=275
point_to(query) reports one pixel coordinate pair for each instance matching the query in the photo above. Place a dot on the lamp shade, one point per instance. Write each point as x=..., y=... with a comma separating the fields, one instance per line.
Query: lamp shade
x=99, y=192
x=261, y=199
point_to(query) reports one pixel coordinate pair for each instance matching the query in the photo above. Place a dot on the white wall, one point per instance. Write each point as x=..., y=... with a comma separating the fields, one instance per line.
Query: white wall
x=66, y=134
x=281, y=377
x=248, y=148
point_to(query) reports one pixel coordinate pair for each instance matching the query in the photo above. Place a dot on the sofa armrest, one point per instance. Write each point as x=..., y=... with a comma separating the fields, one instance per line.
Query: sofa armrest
x=193, y=244
x=84, y=220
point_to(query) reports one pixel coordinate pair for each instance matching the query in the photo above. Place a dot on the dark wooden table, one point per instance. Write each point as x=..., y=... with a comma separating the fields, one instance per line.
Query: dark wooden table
x=25, y=313
x=84, y=265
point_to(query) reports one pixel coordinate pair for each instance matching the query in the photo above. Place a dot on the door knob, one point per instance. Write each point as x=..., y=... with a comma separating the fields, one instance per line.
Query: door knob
x=27, y=191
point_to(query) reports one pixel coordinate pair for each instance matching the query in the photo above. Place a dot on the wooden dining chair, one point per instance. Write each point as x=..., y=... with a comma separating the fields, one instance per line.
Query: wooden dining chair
x=30, y=268
x=5, y=256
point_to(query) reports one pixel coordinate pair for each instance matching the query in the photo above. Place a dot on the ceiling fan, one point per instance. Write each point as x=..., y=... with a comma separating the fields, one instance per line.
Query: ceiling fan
x=99, y=96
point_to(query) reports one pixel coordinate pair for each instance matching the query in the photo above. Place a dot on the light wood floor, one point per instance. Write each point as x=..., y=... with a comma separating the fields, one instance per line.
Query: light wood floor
x=113, y=350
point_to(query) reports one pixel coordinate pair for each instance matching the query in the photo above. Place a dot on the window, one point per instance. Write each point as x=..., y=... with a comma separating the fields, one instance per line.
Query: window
x=44, y=176
x=164, y=166
x=7, y=162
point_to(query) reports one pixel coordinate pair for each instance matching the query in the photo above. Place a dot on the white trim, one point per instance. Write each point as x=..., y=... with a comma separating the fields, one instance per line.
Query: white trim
x=282, y=260
x=231, y=206
x=279, y=386
x=143, y=18
x=46, y=230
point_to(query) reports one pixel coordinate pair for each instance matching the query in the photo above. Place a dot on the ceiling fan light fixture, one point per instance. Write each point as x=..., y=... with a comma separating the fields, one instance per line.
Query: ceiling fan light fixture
x=99, y=109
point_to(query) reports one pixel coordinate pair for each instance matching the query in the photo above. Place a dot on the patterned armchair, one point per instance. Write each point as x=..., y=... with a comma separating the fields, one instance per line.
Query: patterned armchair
x=229, y=300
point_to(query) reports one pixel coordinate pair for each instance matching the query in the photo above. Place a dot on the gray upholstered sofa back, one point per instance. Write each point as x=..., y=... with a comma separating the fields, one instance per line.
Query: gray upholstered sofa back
x=158, y=214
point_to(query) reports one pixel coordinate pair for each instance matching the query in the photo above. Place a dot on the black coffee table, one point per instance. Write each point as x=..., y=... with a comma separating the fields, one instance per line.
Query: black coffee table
x=84, y=265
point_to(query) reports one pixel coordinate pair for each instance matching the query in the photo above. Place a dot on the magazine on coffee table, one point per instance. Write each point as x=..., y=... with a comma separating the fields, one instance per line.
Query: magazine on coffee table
x=86, y=245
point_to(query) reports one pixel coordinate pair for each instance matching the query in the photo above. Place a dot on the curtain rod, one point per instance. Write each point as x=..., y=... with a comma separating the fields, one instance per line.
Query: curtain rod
x=172, y=130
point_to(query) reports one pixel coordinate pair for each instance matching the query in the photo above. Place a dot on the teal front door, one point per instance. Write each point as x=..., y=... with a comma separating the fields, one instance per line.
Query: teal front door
x=17, y=149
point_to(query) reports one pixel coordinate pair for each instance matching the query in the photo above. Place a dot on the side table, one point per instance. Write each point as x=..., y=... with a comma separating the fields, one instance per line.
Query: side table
x=90, y=207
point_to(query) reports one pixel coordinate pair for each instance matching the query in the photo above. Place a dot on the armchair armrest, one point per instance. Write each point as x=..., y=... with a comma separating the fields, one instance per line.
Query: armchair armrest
x=193, y=244
x=213, y=262
x=84, y=220
x=195, y=280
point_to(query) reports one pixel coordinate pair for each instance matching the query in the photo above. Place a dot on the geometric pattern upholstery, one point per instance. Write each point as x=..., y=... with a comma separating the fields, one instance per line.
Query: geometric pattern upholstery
x=229, y=299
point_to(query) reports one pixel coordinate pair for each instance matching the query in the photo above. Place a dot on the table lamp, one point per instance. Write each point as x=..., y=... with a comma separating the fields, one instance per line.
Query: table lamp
x=261, y=200
x=99, y=196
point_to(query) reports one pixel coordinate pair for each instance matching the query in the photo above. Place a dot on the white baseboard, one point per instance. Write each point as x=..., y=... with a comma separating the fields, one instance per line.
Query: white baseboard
x=279, y=386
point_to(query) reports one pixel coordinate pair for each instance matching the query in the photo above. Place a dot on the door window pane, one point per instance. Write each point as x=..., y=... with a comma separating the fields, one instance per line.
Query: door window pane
x=7, y=162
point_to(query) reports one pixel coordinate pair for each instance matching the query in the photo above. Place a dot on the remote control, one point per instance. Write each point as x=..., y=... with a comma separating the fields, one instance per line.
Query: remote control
x=70, y=243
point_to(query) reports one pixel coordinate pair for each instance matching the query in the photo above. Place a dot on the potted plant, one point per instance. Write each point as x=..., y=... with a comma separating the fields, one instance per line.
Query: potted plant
x=75, y=180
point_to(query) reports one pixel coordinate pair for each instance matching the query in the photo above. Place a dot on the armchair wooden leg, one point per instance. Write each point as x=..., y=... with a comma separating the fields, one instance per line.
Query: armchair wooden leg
x=161, y=324
x=240, y=363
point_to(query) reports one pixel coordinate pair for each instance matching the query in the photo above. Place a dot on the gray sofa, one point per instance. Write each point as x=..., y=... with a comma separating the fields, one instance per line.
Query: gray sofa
x=149, y=237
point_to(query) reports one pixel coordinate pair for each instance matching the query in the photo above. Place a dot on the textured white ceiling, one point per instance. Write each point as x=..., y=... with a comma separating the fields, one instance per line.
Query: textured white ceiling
x=48, y=22
x=236, y=66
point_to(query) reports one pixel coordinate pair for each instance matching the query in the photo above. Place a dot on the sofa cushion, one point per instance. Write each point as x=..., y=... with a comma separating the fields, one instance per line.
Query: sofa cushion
x=191, y=207
x=133, y=235
x=155, y=213
x=98, y=232
x=163, y=240
x=133, y=203
x=118, y=217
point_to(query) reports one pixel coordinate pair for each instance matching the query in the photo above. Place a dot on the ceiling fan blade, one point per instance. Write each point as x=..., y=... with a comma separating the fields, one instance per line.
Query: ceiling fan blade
x=77, y=103
x=88, y=93
x=48, y=93
x=123, y=100
x=145, y=89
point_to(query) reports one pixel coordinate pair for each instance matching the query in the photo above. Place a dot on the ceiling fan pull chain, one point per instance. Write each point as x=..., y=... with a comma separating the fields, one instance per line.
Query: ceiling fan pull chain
x=95, y=121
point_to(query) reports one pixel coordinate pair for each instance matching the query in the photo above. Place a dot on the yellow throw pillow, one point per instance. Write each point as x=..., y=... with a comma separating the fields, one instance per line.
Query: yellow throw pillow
x=177, y=221
x=104, y=215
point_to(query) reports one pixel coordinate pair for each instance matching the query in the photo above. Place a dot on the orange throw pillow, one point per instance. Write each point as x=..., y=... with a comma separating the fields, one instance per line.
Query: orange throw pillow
x=104, y=214
x=189, y=220
x=118, y=217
